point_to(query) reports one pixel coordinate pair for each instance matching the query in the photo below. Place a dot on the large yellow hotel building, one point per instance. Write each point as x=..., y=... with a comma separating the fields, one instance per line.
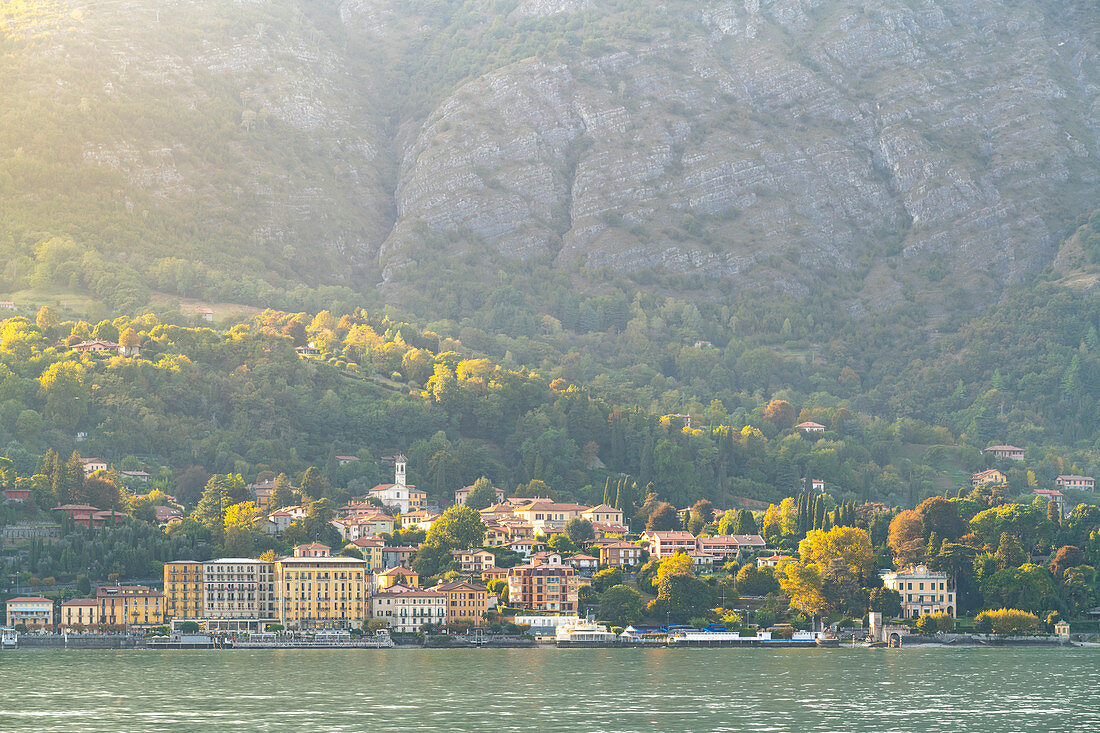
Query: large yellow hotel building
x=183, y=590
x=316, y=590
x=310, y=590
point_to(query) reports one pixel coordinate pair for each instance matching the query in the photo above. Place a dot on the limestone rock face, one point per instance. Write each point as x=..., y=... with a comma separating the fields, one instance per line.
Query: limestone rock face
x=829, y=134
x=875, y=145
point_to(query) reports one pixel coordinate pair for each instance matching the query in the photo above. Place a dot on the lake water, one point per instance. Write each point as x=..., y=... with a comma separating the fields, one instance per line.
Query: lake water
x=930, y=689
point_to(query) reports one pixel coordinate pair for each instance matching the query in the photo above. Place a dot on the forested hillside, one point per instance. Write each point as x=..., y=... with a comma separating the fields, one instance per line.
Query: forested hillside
x=882, y=214
x=706, y=421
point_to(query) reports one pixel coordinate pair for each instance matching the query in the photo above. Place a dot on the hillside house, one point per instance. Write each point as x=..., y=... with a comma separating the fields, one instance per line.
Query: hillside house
x=1080, y=483
x=990, y=476
x=1005, y=452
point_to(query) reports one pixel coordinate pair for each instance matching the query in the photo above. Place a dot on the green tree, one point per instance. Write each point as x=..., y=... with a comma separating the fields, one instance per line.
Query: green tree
x=580, y=530
x=620, y=605
x=561, y=543
x=664, y=517
x=754, y=581
x=62, y=386
x=886, y=601
x=459, y=528
x=481, y=494
x=1009, y=553
x=313, y=484
x=47, y=321
x=606, y=578
x=804, y=584
x=746, y=523
x=222, y=491
x=282, y=493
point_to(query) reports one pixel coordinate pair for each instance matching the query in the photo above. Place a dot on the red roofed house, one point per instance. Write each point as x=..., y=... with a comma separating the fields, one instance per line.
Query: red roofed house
x=769, y=561
x=620, y=553
x=397, y=576
x=810, y=427
x=313, y=549
x=461, y=495
x=543, y=587
x=604, y=514
x=1009, y=452
x=79, y=513
x=400, y=495
x=583, y=563
x=730, y=545
x=1054, y=495
x=17, y=494
x=603, y=530
x=666, y=543
x=407, y=609
x=85, y=346
x=989, y=476
x=91, y=465
x=1081, y=483
x=34, y=611
x=474, y=561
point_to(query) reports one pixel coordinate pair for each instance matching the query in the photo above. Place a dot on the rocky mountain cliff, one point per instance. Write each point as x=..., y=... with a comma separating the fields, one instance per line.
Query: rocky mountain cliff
x=892, y=146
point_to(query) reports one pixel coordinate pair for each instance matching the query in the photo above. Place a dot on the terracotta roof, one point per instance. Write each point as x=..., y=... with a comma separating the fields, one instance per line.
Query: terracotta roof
x=456, y=584
x=399, y=571
x=1003, y=448
x=410, y=594
x=81, y=602
x=28, y=599
x=671, y=534
x=1049, y=492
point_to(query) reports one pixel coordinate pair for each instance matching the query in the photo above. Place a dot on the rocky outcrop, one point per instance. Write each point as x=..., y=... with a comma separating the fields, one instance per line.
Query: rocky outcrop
x=829, y=134
x=760, y=143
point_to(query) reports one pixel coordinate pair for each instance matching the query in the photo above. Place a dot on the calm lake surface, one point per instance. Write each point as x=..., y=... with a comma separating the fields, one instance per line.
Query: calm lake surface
x=930, y=689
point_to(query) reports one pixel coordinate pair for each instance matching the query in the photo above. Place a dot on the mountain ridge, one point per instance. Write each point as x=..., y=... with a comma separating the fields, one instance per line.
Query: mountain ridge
x=896, y=151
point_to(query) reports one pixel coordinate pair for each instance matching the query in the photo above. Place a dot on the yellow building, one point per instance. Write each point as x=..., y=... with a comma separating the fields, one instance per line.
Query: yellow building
x=130, y=606
x=35, y=612
x=183, y=590
x=465, y=601
x=397, y=576
x=314, y=590
x=371, y=549
x=922, y=591
x=80, y=614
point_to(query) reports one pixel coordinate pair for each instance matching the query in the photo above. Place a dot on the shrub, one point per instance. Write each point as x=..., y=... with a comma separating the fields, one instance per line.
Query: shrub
x=1006, y=621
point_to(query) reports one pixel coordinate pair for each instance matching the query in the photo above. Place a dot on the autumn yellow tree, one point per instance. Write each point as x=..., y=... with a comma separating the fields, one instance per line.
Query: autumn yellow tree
x=240, y=516
x=906, y=538
x=63, y=388
x=804, y=584
x=780, y=413
x=840, y=547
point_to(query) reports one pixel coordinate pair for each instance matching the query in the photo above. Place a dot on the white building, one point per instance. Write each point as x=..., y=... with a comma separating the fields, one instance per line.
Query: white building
x=238, y=588
x=406, y=609
x=399, y=495
x=922, y=591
